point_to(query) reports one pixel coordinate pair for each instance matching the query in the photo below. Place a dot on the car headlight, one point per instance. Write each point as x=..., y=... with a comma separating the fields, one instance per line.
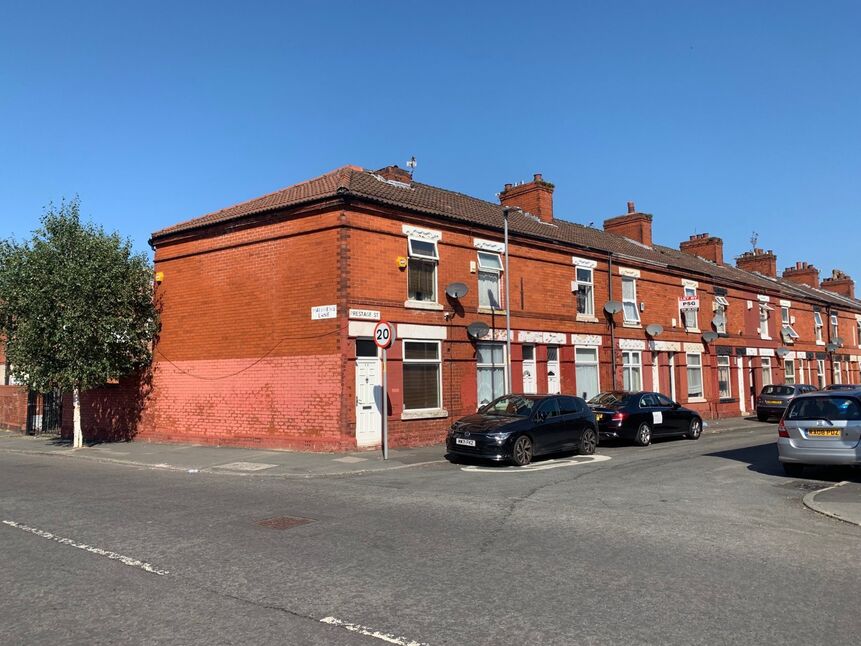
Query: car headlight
x=499, y=438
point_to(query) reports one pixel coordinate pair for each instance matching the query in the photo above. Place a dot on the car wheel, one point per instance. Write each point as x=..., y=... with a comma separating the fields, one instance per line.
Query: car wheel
x=588, y=442
x=762, y=417
x=695, y=430
x=521, y=452
x=793, y=470
x=644, y=435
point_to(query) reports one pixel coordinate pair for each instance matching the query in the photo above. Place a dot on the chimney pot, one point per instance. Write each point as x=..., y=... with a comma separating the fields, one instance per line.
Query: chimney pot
x=631, y=208
x=508, y=186
x=536, y=177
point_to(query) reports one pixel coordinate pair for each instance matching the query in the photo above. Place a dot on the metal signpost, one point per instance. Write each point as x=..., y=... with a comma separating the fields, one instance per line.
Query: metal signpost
x=384, y=336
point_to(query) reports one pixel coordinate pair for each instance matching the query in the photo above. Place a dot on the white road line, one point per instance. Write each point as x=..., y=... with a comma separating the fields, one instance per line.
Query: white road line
x=370, y=632
x=539, y=466
x=125, y=560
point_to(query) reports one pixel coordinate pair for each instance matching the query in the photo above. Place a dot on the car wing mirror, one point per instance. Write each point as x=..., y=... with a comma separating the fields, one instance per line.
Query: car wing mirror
x=676, y=405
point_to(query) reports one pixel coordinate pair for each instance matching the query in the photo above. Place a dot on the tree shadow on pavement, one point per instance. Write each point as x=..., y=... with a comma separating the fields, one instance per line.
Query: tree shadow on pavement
x=762, y=458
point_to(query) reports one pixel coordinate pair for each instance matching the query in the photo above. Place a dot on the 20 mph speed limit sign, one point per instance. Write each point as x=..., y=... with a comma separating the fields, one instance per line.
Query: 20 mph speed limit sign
x=384, y=334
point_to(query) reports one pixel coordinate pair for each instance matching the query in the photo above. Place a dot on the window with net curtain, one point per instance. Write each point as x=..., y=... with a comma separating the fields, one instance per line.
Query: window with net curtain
x=421, y=368
x=490, y=371
x=629, y=300
x=690, y=317
x=695, y=375
x=421, y=270
x=632, y=369
x=586, y=367
x=489, y=272
x=724, y=384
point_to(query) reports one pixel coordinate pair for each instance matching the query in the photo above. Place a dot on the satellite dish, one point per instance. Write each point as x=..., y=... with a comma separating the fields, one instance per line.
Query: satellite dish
x=612, y=307
x=654, y=329
x=832, y=347
x=708, y=337
x=456, y=290
x=838, y=341
x=781, y=352
x=477, y=330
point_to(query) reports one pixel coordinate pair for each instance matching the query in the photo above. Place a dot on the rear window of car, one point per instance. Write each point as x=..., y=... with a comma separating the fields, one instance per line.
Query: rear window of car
x=778, y=391
x=615, y=399
x=830, y=408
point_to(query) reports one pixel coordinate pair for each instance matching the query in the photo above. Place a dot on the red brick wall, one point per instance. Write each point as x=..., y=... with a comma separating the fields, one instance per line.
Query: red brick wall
x=13, y=407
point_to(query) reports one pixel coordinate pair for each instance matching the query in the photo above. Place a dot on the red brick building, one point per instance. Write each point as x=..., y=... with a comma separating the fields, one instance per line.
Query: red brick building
x=268, y=308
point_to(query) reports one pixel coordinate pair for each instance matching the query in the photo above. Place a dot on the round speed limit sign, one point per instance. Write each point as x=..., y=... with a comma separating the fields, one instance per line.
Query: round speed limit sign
x=384, y=334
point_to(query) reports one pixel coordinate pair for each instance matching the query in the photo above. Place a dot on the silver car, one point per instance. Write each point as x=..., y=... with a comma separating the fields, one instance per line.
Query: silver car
x=820, y=428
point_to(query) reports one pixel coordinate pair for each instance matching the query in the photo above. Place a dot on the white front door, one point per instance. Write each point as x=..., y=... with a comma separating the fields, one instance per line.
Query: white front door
x=554, y=385
x=530, y=385
x=369, y=400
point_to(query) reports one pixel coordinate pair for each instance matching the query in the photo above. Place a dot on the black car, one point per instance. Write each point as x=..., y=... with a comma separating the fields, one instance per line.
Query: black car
x=843, y=387
x=773, y=400
x=640, y=416
x=518, y=427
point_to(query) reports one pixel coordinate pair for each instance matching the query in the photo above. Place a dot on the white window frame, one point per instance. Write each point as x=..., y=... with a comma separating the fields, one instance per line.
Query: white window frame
x=766, y=370
x=423, y=257
x=491, y=269
x=818, y=325
x=589, y=285
x=788, y=332
x=789, y=371
x=596, y=364
x=721, y=307
x=437, y=362
x=479, y=366
x=820, y=374
x=835, y=327
x=764, y=316
x=838, y=375
x=683, y=316
x=724, y=363
x=636, y=320
x=698, y=368
x=630, y=367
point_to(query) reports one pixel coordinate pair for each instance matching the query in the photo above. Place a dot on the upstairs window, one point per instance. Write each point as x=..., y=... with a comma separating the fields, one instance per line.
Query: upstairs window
x=719, y=321
x=629, y=300
x=835, y=328
x=764, y=314
x=585, y=291
x=858, y=334
x=421, y=268
x=787, y=331
x=489, y=274
x=689, y=313
x=817, y=324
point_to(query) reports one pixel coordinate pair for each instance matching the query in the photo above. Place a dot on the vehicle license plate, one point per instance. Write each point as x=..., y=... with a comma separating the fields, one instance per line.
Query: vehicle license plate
x=823, y=432
x=460, y=440
x=773, y=401
x=599, y=417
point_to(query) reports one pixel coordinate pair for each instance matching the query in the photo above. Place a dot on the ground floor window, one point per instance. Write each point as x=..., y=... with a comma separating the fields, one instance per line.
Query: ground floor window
x=837, y=374
x=632, y=371
x=695, y=375
x=490, y=371
x=766, y=371
x=586, y=362
x=820, y=373
x=789, y=371
x=422, y=375
x=724, y=383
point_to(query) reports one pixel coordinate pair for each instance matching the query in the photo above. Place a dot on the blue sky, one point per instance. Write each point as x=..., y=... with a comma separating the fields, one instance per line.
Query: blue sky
x=719, y=117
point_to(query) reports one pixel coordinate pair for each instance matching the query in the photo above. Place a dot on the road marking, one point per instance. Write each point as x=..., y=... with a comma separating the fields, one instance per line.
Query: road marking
x=125, y=560
x=540, y=466
x=370, y=632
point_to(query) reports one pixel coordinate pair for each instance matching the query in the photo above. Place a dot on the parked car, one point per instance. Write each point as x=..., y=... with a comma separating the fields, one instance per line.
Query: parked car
x=517, y=428
x=773, y=400
x=821, y=428
x=639, y=416
x=843, y=387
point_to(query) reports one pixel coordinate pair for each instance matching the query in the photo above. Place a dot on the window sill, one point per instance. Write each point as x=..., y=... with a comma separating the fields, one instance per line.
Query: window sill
x=490, y=310
x=693, y=330
x=424, y=413
x=697, y=400
x=727, y=400
x=820, y=343
x=423, y=305
x=632, y=325
x=586, y=318
x=765, y=338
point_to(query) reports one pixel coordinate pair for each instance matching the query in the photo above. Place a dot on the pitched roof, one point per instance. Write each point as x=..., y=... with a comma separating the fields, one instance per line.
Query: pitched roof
x=438, y=202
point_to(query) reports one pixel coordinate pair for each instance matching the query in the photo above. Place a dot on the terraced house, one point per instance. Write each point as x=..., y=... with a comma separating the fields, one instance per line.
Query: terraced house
x=268, y=308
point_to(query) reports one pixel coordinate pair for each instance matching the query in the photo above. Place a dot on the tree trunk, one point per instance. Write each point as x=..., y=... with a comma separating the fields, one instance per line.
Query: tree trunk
x=78, y=435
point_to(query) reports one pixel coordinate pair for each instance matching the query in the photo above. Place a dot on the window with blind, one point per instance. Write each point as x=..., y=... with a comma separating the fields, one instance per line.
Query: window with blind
x=422, y=375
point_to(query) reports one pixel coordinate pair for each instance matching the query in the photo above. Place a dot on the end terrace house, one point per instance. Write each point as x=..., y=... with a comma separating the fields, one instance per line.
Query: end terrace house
x=268, y=308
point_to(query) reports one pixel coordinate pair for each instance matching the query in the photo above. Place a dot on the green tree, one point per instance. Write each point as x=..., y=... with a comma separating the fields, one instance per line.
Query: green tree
x=76, y=306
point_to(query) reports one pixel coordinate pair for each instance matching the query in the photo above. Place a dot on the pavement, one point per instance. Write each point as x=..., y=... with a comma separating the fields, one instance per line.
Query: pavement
x=841, y=501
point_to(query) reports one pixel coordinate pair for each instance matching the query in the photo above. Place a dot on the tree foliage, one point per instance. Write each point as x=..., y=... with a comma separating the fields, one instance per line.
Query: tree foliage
x=76, y=304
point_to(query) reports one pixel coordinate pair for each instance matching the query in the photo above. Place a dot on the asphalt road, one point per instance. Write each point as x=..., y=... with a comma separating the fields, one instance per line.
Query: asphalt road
x=682, y=542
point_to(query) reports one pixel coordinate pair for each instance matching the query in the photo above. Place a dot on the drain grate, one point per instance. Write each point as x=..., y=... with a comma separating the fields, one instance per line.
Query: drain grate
x=284, y=522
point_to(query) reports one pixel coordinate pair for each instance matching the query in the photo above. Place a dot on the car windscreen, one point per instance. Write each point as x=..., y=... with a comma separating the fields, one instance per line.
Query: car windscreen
x=827, y=408
x=615, y=399
x=509, y=406
x=778, y=391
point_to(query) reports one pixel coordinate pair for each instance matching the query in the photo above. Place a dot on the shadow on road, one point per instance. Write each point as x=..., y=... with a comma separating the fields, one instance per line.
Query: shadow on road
x=762, y=458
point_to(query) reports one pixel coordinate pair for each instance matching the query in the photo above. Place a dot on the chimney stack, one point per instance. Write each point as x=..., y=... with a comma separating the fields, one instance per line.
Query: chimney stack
x=802, y=274
x=395, y=173
x=763, y=262
x=704, y=246
x=633, y=225
x=535, y=197
x=839, y=283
